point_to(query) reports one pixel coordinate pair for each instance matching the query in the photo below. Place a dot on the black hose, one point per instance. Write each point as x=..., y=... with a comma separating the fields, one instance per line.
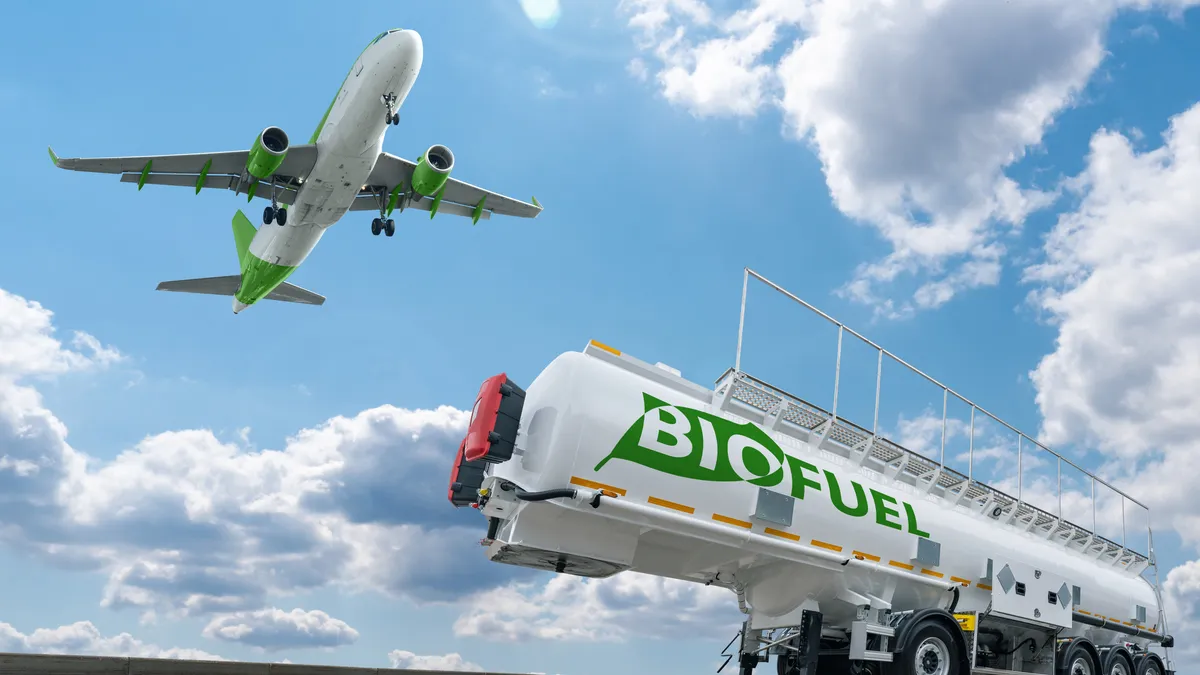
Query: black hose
x=954, y=601
x=558, y=493
x=1019, y=645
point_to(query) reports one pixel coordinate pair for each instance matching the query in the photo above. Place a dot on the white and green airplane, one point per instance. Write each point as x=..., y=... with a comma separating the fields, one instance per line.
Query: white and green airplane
x=341, y=169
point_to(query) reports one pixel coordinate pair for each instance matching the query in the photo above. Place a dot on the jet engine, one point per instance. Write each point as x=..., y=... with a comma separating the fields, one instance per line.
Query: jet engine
x=267, y=153
x=432, y=170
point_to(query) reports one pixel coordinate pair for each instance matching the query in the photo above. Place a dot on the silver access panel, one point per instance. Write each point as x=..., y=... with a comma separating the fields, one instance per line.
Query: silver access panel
x=1024, y=592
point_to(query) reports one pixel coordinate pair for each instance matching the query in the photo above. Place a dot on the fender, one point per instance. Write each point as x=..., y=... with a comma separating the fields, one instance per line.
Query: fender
x=938, y=615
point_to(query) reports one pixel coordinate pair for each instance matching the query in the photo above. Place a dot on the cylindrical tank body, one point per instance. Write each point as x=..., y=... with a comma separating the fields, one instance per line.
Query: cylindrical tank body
x=658, y=440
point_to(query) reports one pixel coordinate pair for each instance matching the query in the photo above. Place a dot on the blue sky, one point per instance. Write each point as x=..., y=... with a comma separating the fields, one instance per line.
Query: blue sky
x=952, y=183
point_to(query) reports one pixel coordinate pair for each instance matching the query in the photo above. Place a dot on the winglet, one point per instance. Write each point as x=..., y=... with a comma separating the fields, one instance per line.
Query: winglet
x=537, y=203
x=53, y=156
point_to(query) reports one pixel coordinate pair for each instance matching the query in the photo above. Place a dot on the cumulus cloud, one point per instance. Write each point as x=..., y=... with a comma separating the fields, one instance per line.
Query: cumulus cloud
x=411, y=661
x=915, y=108
x=184, y=524
x=82, y=637
x=1118, y=280
x=274, y=629
x=630, y=604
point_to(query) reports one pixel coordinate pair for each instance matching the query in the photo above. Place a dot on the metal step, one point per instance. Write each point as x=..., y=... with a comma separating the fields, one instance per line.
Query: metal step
x=980, y=670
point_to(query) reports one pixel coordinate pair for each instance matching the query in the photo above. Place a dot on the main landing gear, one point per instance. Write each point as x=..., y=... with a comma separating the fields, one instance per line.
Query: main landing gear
x=388, y=226
x=389, y=101
x=276, y=214
x=273, y=212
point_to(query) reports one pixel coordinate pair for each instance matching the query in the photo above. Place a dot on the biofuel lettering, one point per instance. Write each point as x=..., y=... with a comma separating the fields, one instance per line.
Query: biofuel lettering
x=688, y=443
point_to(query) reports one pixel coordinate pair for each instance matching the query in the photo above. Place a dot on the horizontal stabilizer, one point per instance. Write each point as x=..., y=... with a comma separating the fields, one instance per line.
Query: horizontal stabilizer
x=284, y=292
x=209, y=285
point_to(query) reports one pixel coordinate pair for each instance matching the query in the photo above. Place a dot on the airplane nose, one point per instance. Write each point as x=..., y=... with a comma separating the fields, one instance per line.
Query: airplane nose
x=409, y=45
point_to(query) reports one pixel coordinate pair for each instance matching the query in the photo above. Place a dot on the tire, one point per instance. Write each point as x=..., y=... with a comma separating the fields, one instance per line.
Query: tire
x=376, y=226
x=268, y=215
x=931, y=650
x=1116, y=662
x=389, y=228
x=1078, y=661
x=281, y=217
x=1148, y=664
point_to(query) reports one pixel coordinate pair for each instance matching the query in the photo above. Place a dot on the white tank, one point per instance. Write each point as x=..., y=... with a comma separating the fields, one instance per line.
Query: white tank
x=702, y=485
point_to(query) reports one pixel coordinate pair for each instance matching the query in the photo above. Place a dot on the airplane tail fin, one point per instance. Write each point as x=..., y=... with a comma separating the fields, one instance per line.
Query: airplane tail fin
x=243, y=234
x=228, y=286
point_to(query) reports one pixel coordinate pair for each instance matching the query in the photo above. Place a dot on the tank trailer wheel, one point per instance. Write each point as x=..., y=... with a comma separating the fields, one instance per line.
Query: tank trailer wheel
x=1116, y=662
x=1078, y=662
x=931, y=650
x=1148, y=665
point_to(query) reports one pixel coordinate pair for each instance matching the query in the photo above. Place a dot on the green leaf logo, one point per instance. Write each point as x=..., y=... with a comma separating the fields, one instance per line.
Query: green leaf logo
x=696, y=445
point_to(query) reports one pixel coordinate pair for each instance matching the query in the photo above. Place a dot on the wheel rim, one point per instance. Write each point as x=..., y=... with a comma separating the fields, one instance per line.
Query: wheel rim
x=1119, y=668
x=1080, y=666
x=932, y=657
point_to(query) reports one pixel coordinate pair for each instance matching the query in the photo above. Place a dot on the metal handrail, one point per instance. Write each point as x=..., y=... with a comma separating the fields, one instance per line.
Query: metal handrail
x=946, y=392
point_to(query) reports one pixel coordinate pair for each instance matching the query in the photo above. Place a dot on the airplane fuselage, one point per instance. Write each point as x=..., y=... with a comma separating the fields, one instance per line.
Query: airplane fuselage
x=349, y=141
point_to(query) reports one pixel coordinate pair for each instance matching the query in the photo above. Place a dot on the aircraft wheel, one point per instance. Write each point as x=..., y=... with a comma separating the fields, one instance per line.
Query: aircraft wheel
x=388, y=119
x=396, y=119
x=389, y=227
x=376, y=226
x=268, y=215
x=281, y=217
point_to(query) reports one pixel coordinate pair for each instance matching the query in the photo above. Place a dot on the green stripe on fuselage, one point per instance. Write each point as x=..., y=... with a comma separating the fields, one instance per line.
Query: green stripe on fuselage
x=259, y=278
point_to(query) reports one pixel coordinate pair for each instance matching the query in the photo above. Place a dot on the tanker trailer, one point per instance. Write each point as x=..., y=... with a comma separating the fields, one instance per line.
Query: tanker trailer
x=847, y=552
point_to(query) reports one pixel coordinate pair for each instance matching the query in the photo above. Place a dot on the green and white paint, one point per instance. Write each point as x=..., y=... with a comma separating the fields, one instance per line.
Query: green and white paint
x=342, y=168
x=693, y=444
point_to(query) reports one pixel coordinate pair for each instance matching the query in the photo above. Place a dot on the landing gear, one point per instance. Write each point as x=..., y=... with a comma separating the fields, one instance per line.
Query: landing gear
x=272, y=213
x=389, y=102
x=382, y=223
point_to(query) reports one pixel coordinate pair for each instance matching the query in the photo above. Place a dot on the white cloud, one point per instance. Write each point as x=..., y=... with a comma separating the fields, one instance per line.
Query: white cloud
x=630, y=604
x=411, y=661
x=82, y=637
x=916, y=109
x=1119, y=281
x=184, y=524
x=1182, y=587
x=274, y=629
x=30, y=347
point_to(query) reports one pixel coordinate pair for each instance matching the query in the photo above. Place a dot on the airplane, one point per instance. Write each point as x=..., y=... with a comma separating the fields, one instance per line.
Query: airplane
x=342, y=168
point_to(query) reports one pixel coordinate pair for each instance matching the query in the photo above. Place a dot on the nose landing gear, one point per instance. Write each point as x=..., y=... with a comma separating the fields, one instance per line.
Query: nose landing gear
x=389, y=102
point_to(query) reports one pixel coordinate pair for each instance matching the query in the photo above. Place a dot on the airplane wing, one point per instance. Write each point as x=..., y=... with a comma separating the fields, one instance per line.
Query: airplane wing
x=200, y=170
x=391, y=171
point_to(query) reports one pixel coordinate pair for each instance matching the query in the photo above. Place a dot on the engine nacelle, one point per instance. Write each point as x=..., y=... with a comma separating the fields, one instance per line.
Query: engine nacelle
x=267, y=153
x=432, y=170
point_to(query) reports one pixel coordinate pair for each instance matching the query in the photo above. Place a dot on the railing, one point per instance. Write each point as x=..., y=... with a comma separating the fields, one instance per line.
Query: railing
x=1054, y=524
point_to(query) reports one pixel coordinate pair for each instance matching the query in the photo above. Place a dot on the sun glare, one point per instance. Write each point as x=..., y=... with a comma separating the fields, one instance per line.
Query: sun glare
x=542, y=13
